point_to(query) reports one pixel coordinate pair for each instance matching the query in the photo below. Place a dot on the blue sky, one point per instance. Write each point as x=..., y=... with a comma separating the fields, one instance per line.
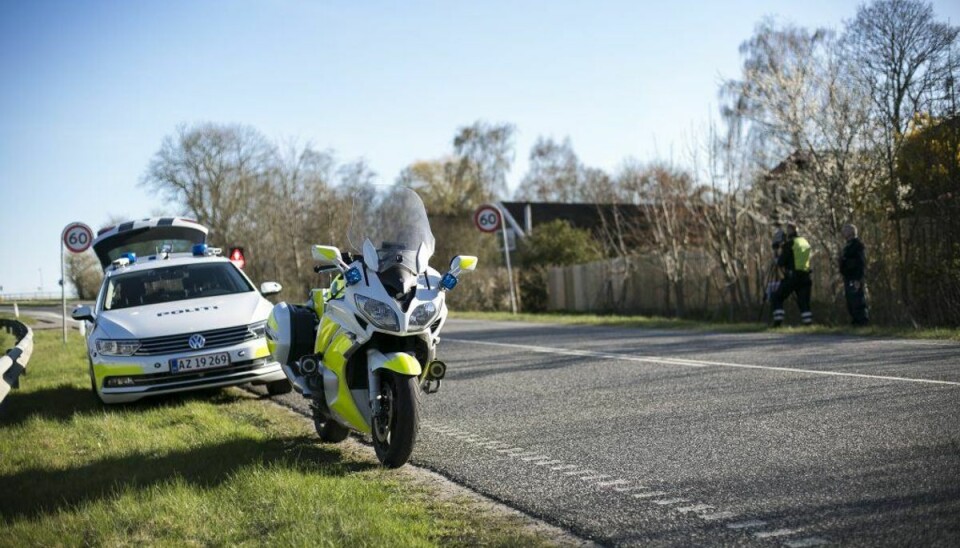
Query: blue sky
x=89, y=89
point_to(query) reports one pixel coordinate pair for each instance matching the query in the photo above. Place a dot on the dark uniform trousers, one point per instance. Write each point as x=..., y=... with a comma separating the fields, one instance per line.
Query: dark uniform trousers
x=796, y=281
x=856, y=301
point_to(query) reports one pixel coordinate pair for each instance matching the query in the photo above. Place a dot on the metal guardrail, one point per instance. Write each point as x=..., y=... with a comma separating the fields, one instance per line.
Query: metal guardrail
x=14, y=362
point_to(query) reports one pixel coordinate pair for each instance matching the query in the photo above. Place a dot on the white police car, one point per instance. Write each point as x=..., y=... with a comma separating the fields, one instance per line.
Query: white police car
x=173, y=315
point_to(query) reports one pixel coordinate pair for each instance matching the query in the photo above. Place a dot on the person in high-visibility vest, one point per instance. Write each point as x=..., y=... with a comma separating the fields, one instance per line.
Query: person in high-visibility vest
x=794, y=263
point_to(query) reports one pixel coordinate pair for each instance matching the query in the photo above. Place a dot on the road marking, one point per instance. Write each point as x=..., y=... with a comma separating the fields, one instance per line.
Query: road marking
x=805, y=542
x=776, y=533
x=648, y=495
x=594, y=478
x=631, y=488
x=718, y=516
x=512, y=452
x=583, y=472
x=613, y=483
x=693, y=363
x=746, y=524
x=564, y=467
x=548, y=462
x=667, y=502
x=695, y=508
x=537, y=457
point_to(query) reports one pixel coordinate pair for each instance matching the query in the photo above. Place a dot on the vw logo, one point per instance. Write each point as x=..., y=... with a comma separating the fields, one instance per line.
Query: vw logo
x=197, y=341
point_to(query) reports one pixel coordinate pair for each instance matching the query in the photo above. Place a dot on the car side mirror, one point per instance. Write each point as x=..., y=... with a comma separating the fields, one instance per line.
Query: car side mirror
x=270, y=288
x=82, y=313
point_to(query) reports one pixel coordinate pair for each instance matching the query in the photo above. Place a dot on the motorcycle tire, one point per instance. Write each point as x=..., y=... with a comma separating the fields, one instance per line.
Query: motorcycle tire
x=329, y=430
x=393, y=442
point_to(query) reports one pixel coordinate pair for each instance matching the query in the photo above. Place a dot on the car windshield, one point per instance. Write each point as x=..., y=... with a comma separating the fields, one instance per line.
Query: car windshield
x=395, y=221
x=173, y=283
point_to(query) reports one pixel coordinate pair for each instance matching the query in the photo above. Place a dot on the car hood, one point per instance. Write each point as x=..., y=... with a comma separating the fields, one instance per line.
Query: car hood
x=158, y=320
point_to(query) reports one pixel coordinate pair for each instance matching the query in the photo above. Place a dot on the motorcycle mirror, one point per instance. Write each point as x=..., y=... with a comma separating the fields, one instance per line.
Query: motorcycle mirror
x=270, y=288
x=327, y=255
x=463, y=263
x=370, y=257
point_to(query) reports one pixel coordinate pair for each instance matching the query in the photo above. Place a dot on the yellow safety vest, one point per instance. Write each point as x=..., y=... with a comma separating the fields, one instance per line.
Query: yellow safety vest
x=801, y=254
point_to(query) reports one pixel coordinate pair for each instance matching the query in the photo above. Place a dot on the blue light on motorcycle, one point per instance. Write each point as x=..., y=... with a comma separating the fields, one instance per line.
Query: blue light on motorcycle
x=353, y=275
x=449, y=281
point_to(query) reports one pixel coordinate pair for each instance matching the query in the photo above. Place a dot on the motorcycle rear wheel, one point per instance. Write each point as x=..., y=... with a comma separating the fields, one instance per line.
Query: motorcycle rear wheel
x=395, y=431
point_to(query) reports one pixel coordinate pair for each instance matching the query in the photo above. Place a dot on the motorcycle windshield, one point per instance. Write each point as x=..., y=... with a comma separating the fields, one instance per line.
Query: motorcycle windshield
x=395, y=221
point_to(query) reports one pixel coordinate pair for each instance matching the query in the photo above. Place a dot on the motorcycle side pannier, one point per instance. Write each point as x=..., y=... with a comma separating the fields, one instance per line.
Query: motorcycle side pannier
x=295, y=332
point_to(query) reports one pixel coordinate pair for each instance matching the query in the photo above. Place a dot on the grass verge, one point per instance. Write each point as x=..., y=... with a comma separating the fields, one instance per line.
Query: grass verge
x=214, y=468
x=655, y=322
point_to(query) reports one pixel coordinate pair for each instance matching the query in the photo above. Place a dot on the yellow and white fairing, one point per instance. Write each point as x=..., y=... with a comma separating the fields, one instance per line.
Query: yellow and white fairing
x=341, y=333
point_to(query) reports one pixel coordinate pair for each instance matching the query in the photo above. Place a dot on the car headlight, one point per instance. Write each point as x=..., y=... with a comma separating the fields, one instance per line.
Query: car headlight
x=379, y=313
x=422, y=315
x=123, y=347
x=258, y=329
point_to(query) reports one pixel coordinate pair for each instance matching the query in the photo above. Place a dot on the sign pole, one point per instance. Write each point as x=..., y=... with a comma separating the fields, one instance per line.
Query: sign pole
x=506, y=256
x=63, y=290
x=76, y=237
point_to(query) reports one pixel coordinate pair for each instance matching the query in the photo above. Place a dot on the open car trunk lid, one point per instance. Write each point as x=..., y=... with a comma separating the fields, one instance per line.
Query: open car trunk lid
x=147, y=237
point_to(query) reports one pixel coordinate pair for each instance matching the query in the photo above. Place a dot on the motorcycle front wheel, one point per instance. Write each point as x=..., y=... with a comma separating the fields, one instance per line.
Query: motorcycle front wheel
x=395, y=428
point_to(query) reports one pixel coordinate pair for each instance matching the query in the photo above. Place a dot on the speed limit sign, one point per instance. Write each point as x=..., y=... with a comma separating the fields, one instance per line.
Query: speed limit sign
x=77, y=237
x=487, y=218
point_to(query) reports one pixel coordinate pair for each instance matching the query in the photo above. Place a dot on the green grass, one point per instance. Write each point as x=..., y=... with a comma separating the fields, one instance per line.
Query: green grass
x=218, y=468
x=655, y=322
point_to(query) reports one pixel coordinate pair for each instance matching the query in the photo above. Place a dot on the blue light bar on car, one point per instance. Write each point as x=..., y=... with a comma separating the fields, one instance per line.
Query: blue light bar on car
x=130, y=256
x=199, y=250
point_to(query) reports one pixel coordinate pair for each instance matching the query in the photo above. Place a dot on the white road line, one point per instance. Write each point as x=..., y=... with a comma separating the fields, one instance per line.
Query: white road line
x=613, y=483
x=631, y=488
x=594, y=478
x=651, y=494
x=667, y=502
x=564, y=467
x=537, y=457
x=583, y=472
x=776, y=533
x=746, y=524
x=718, y=516
x=695, y=508
x=694, y=363
x=548, y=462
x=806, y=542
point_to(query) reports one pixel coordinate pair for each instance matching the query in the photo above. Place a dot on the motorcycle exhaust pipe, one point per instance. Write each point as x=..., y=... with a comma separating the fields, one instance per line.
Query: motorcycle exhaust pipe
x=436, y=370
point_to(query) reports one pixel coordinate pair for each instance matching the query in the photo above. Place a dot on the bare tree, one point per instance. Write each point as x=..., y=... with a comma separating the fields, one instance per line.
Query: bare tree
x=904, y=62
x=663, y=192
x=84, y=274
x=213, y=171
x=554, y=174
x=484, y=154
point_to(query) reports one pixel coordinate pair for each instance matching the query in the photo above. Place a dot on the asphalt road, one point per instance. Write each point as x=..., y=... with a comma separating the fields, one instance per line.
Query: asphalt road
x=675, y=438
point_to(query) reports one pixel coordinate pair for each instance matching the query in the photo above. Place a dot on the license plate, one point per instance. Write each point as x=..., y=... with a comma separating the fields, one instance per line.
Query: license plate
x=193, y=363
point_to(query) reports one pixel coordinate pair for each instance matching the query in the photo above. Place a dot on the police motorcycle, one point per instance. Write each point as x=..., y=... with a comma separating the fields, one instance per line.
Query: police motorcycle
x=364, y=349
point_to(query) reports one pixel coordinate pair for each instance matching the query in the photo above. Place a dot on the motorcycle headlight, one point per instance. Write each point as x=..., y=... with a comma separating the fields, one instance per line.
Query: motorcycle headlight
x=123, y=347
x=379, y=313
x=422, y=315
